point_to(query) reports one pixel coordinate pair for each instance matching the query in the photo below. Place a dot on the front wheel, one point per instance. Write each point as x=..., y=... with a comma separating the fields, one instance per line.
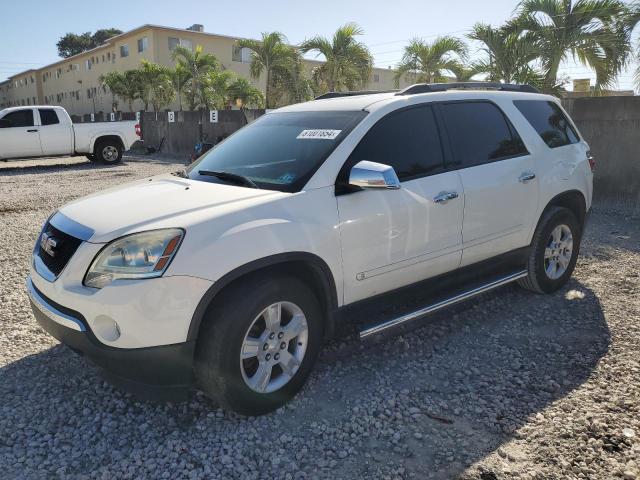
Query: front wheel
x=258, y=344
x=554, y=251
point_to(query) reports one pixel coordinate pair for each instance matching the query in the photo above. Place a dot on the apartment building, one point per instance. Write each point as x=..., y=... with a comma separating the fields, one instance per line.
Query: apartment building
x=74, y=82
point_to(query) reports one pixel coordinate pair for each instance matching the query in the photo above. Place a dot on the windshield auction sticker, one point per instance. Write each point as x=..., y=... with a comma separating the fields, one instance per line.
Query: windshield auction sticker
x=319, y=134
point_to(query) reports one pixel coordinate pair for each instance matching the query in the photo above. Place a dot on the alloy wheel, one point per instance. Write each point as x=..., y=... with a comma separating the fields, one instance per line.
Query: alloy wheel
x=274, y=347
x=557, y=254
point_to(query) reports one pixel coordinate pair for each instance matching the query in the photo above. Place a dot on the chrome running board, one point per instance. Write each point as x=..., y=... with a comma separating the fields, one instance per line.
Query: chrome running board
x=447, y=302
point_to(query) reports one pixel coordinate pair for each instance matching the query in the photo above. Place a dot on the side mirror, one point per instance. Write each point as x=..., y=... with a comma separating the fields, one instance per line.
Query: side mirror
x=5, y=123
x=365, y=174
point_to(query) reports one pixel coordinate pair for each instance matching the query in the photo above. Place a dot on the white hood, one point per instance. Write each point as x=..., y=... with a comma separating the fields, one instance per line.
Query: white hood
x=158, y=202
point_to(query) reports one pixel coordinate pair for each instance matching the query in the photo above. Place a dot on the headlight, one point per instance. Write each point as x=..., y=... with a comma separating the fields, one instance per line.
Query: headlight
x=136, y=256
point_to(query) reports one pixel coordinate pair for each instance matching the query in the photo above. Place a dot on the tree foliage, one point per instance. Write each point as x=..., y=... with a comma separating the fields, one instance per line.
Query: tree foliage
x=348, y=62
x=72, y=43
x=198, y=65
x=273, y=57
x=591, y=31
x=429, y=62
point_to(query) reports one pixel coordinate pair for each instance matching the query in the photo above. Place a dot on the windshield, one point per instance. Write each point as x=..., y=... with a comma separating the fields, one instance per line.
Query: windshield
x=279, y=151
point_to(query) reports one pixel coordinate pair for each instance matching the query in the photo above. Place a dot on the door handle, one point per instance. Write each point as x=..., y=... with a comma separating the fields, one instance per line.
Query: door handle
x=525, y=177
x=444, y=197
x=33, y=130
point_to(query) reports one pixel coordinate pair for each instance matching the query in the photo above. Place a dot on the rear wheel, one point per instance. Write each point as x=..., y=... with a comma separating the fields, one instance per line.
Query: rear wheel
x=258, y=344
x=108, y=151
x=554, y=251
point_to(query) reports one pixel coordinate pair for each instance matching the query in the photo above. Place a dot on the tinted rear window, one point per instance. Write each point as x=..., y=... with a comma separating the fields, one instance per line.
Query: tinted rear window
x=48, y=116
x=549, y=121
x=480, y=133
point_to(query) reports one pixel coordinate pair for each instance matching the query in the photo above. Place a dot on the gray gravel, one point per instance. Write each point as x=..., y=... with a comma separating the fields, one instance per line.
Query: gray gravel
x=512, y=385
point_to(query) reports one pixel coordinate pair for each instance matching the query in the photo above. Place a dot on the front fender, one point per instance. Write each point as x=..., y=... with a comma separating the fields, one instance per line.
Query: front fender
x=301, y=223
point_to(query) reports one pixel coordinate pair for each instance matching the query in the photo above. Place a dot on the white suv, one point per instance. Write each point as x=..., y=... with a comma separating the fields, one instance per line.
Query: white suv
x=230, y=274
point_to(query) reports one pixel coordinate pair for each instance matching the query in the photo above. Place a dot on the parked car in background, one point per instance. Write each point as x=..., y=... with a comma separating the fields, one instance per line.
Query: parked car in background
x=47, y=131
x=232, y=273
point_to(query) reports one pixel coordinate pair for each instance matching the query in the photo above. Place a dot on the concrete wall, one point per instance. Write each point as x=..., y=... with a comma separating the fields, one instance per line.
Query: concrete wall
x=181, y=135
x=611, y=126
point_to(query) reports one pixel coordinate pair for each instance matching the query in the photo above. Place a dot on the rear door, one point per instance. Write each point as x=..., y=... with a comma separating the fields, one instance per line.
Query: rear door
x=498, y=178
x=392, y=238
x=56, y=137
x=19, y=135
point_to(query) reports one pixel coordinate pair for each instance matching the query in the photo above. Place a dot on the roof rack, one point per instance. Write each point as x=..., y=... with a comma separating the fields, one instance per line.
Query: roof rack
x=443, y=87
x=351, y=94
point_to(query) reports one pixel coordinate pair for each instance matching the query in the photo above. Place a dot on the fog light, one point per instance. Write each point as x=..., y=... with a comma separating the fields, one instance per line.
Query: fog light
x=106, y=328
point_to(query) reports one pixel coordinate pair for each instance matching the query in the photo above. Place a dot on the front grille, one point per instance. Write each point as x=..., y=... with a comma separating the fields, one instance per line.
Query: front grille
x=66, y=246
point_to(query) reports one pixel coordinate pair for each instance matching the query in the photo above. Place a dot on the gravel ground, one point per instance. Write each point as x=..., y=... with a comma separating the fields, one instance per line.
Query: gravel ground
x=511, y=385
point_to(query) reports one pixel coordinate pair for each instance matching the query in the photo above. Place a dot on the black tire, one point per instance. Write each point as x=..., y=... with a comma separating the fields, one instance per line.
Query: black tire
x=108, y=151
x=217, y=360
x=537, y=279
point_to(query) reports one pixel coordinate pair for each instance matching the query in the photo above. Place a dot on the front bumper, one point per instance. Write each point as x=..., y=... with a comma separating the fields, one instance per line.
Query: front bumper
x=154, y=373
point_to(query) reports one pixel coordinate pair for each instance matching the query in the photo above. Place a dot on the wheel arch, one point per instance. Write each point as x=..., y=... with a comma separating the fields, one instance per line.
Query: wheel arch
x=305, y=266
x=573, y=200
x=101, y=138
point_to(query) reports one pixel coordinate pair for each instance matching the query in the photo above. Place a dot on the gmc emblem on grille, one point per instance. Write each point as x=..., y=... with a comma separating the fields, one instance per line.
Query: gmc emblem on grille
x=48, y=243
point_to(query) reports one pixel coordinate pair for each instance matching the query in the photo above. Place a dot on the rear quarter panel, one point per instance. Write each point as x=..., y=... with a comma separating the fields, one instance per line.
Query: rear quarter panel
x=86, y=134
x=558, y=170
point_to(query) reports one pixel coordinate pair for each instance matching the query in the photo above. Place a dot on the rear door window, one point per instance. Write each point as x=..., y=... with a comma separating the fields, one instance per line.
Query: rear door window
x=549, y=121
x=19, y=118
x=48, y=116
x=480, y=133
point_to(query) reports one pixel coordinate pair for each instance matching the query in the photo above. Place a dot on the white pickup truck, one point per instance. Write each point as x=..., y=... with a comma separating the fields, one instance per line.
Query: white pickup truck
x=47, y=131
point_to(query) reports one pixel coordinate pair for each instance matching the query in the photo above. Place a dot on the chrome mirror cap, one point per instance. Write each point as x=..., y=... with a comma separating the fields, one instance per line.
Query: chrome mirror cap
x=366, y=174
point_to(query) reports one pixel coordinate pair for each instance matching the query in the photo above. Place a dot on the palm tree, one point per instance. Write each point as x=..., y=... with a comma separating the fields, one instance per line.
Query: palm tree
x=198, y=64
x=156, y=85
x=588, y=30
x=216, y=89
x=180, y=76
x=243, y=94
x=113, y=81
x=428, y=62
x=291, y=84
x=510, y=53
x=348, y=62
x=269, y=55
x=130, y=87
x=630, y=20
x=465, y=73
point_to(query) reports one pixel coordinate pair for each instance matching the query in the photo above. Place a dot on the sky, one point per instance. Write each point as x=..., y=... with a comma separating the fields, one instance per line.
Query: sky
x=31, y=28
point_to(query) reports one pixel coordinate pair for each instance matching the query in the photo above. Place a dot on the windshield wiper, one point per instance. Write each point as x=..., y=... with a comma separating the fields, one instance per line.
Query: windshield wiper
x=234, y=177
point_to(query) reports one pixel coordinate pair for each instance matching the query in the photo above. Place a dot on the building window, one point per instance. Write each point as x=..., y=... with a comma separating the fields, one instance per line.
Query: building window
x=124, y=51
x=242, y=55
x=87, y=64
x=174, y=42
x=143, y=44
x=376, y=78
